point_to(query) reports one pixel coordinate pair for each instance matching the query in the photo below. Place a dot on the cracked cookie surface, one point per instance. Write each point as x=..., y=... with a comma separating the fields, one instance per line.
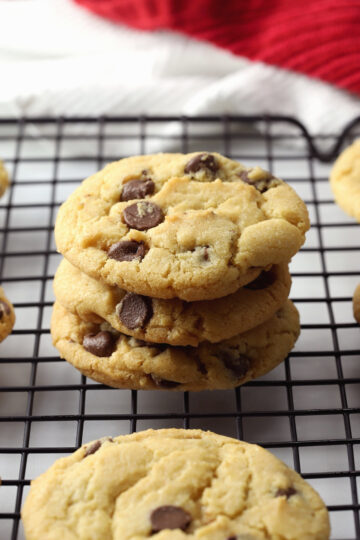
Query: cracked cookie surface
x=7, y=315
x=180, y=225
x=4, y=179
x=173, y=321
x=173, y=484
x=115, y=359
x=345, y=180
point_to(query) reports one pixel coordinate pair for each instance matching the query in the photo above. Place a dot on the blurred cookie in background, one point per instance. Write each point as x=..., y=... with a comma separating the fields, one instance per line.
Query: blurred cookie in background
x=345, y=180
x=4, y=178
x=356, y=304
x=7, y=316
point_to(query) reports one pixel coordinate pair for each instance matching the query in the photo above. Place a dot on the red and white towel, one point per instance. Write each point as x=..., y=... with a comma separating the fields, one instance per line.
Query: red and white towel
x=320, y=38
x=71, y=61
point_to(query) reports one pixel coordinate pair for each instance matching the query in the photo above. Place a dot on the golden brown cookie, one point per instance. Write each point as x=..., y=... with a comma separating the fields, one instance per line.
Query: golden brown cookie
x=194, y=226
x=173, y=484
x=115, y=359
x=172, y=321
x=4, y=179
x=345, y=180
x=356, y=304
x=7, y=315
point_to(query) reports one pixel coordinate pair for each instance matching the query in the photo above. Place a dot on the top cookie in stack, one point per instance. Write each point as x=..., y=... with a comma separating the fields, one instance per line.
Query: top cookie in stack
x=196, y=226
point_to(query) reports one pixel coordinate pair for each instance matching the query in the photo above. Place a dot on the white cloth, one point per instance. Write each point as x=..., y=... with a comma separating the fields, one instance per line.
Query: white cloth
x=58, y=59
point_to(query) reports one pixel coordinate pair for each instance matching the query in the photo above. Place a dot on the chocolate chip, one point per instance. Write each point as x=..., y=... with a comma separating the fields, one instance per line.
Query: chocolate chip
x=264, y=280
x=127, y=250
x=201, y=367
x=134, y=310
x=101, y=344
x=96, y=445
x=241, y=537
x=137, y=189
x=201, y=161
x=288, y=492
x=237, y=363
x=92, y=448
x=4, y=309
x=243, y=175
x=261, y=184
x=169, y=517
x=193, y=354
x=163, y=383
x=202, y=254
x=143, y=215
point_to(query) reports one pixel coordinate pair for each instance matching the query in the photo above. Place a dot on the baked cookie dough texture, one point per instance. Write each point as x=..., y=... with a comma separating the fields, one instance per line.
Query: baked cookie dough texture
x=115, y=359
x=194, y=227
x=172, y=485
x=345, y=180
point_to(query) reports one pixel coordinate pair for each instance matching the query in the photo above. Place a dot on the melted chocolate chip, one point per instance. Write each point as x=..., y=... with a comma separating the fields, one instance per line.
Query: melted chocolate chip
x=261, y=184
x=127, y=250
x=206, y=253
x=201, y=367
x=241, y=537
x=92, y=448
x=95, y=446
x=163, y=383
x=135, y=310
x=169, y=517
x=264, y=280
x=143, y=215
x=100, y=344
x=237, y=363
x=288, y=492
x=4, y=309
x=243, y=175
x=193, y=354
x=137, y=189
x=201, y=161
x=202, y=254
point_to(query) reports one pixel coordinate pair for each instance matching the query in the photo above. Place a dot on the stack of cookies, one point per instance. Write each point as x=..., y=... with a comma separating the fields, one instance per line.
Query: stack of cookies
x=176, y=273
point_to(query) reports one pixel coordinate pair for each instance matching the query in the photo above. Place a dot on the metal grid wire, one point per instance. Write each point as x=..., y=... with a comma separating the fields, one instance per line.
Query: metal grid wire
x=306, y=411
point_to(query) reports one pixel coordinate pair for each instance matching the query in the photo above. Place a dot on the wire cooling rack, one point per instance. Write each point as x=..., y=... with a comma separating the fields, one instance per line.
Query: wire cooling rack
x=307, y=411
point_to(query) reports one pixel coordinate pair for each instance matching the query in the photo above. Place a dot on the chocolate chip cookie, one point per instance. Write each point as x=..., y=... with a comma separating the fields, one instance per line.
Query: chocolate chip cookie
x=7, y=316
x=172, y=321
x=194, y=226
x=115, y=359
x=4, y=179
x=345, y=180
x=173, y=484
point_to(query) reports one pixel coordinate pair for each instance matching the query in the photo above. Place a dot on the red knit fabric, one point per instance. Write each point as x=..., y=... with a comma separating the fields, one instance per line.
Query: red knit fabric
x=318, y=37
